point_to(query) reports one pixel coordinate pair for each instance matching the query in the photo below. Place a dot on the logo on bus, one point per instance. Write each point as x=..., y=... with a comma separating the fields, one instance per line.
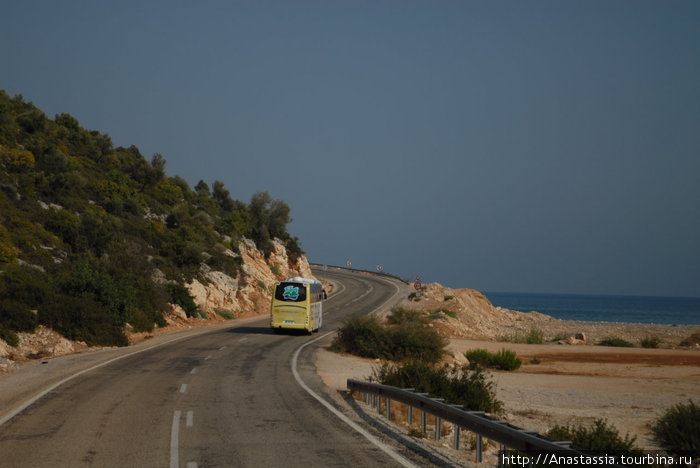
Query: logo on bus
x=290, y=293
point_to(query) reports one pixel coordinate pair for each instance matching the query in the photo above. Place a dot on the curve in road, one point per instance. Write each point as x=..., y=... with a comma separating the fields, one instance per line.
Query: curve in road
x=226, y=397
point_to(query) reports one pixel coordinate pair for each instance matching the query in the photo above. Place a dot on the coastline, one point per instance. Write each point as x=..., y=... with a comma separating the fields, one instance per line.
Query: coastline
x=556, y=330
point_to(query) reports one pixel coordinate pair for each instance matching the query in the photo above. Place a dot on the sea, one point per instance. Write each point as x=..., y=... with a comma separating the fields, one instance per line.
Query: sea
x=594, y=308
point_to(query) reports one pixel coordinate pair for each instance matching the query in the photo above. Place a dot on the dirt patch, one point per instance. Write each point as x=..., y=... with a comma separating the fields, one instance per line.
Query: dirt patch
x=630, y=387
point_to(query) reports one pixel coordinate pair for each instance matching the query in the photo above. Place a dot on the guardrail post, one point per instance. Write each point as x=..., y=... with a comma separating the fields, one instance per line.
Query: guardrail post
x=410, y=415
x=388, y=408
x=479, y=447
x=508, y=437
x=502, y=453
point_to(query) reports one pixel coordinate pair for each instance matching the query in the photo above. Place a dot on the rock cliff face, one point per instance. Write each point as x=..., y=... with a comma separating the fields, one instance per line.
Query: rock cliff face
x=250, y=293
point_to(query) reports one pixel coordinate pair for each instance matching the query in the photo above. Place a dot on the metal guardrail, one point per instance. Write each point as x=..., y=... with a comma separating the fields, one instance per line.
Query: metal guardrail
x=527, y=442
x=358, y=270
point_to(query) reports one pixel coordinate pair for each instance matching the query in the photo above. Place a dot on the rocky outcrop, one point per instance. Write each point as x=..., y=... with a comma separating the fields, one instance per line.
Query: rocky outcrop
x=250, y=293
x=466, y=313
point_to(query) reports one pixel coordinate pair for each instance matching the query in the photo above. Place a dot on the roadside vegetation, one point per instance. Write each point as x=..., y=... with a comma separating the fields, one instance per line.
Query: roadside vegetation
x=414, y=349
x=93, y=236
x=650, y=342
x=600, y=438
x=615, y=342
x=405, y=336
x=692, y=340
x=678, y=430
x=534, y=336
x=467, y=387
x=504, y=359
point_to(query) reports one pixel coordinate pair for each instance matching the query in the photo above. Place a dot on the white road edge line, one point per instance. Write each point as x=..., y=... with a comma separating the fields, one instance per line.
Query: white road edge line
x=383, y=447
x=175, y=441
x=14, y=412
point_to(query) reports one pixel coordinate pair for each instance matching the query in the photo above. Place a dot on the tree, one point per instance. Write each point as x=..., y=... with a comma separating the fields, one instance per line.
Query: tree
x=158, y=165
x=279, y=218
x=202, y=189
x=222, y=196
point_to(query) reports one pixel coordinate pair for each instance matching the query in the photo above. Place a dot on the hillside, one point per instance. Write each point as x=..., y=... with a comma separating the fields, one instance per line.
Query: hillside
x=97, y=242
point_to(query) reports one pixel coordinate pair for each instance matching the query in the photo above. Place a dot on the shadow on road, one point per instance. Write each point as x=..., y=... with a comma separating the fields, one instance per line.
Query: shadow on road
x=251, y=330
x=265, y=331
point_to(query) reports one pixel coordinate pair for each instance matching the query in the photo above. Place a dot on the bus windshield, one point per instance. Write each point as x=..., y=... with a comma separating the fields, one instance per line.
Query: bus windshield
x=290, y=292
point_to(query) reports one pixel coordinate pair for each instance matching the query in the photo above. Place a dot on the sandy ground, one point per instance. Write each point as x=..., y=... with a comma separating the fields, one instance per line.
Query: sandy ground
x=630, y=387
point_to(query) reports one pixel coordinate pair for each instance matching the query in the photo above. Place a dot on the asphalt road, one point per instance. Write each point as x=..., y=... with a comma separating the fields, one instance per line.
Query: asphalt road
x=225, y=397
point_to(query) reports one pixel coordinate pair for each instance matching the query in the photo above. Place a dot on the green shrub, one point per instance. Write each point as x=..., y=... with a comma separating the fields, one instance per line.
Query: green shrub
x=678, y=430
x=9, y=336
x=504, y=359
x=598, y=439
x=479, y=357
x=409, y=341
x=362, y=335
x=448, y=298
x=224, y=314
x=650, y=342
x=465, y=387
x=616, y=342
x=534, y=336
x=181, y=296
x=26, y=285
x=407, y=338
x=16, y=316
x=83, y=319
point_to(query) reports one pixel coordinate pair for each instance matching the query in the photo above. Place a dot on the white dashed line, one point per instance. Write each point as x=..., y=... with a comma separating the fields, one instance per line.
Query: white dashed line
x=175, y=441
x=183, y=388
x=193, y=371
x=190, y=418
x=207, y=358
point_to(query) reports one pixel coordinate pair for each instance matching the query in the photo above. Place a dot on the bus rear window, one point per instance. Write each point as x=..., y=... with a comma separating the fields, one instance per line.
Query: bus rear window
x=291, y=292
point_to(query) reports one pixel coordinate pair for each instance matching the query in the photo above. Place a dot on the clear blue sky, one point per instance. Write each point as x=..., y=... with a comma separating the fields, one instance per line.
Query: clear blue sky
x=541, y=146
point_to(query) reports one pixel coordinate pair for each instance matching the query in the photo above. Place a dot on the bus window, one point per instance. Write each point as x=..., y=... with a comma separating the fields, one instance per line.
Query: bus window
x=290, y=292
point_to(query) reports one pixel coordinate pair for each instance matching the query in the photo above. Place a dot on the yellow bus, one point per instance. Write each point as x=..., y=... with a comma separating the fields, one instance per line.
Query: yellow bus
x=297, y=304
